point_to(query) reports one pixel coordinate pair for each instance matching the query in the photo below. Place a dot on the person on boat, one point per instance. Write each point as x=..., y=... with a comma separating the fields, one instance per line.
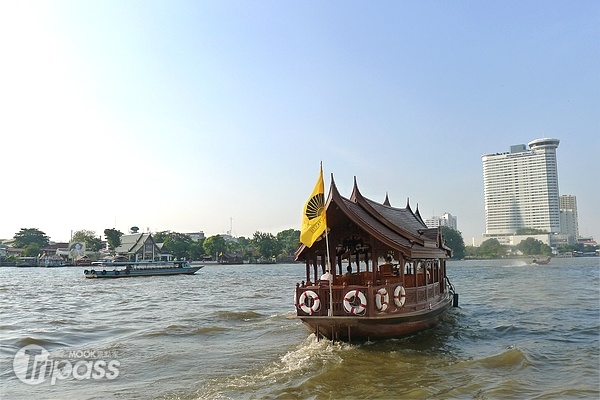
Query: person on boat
x=388, y=261
x=349, y=270
x=327, y=276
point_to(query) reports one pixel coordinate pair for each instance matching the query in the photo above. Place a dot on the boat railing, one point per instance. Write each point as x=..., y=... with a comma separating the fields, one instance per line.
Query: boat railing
x=379, y=300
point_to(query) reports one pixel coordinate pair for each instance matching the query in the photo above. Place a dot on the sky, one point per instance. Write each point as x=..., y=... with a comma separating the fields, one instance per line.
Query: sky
x=214, y=116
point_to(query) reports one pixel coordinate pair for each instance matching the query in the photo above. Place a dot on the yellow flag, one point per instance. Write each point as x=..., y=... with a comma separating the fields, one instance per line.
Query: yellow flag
x=313, y=217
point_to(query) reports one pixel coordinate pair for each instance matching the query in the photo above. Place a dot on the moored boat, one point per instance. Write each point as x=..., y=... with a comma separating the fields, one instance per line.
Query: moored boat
x=140, y=268
x=376, y=271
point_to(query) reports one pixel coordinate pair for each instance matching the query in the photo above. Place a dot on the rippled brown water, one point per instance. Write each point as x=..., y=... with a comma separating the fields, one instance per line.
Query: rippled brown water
x=521, y=331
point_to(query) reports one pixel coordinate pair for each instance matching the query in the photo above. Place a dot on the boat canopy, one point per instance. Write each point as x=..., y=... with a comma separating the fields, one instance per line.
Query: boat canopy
x=368, y=231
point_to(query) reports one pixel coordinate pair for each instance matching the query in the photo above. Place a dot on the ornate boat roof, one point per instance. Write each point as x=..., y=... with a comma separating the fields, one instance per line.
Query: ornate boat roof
x=377, y=225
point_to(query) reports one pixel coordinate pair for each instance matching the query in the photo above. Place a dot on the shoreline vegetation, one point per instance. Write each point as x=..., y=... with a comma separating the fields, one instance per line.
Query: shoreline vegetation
x=261, y=248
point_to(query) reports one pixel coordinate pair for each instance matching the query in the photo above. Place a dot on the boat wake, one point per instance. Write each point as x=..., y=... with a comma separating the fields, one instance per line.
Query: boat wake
x=308, y=359
x=237, y=315
x=512, y=358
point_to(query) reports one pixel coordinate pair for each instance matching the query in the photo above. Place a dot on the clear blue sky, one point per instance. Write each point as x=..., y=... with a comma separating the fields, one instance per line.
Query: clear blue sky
x=205, y=115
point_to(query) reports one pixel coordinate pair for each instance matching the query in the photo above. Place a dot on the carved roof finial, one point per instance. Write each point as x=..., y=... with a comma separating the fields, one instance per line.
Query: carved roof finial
x=386, y=202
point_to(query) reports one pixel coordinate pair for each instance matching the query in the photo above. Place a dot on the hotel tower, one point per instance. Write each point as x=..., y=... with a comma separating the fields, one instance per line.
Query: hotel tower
x=521, y=189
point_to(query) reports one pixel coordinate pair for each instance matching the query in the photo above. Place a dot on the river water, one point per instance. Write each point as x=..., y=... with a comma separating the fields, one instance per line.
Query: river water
x=521, y=331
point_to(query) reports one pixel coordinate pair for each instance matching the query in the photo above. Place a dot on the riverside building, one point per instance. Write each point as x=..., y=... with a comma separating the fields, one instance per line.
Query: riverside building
x=446, y=219
x=521, y=189
x=568, y=215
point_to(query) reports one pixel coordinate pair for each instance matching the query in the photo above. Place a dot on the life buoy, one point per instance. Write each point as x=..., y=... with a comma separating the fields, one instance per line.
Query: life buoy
x=86, y=271
x=382, y=299
x=355, y=302
x=399, y=296
x=126, y=272
x=92, y=271
x=311, y=296
x=117, y=272
x=103, y=272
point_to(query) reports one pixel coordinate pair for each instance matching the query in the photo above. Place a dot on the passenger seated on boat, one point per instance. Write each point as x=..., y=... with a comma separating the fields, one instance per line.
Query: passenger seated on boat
x=349, y=270
x=326, y=277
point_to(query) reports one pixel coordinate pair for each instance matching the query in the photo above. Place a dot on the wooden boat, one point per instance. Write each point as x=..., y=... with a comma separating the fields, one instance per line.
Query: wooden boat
x=376, y=299
x=541, y=261
x=140, y=268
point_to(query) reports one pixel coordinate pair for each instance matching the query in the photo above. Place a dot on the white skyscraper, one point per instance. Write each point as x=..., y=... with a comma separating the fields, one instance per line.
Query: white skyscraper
x=445, y=220
x=569, y=223
x=521, y=189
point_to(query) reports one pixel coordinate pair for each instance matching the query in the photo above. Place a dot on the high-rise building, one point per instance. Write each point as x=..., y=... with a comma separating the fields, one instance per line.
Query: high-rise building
x=445, y=220
x=521, y=189
x=569, y=223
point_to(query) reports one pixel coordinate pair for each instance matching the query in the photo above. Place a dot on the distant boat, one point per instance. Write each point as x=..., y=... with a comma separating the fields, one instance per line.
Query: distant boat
x=125, y=269
x=52, y=262
x=28, y=262
x=540, y=261
x=410, y=292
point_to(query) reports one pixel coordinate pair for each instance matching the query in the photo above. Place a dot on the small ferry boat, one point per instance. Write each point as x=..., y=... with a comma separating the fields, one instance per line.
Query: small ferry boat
x=543, y=261
x=125, y=269
x=376, y=271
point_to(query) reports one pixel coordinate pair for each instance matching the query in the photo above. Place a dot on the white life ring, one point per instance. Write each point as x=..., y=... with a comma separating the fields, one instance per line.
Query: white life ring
x=316, y=303
x=382, y=299
x=351, y=305
x=399, y=296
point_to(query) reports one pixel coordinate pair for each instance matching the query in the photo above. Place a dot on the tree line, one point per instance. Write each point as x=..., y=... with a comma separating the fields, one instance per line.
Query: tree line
x=260, y=246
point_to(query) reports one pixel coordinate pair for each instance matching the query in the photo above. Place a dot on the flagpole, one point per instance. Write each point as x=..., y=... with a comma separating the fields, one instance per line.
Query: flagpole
x=330, y=311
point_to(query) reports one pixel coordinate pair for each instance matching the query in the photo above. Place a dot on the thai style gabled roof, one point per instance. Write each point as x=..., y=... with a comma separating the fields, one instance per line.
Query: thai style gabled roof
x=395, y=228
x=132, y=243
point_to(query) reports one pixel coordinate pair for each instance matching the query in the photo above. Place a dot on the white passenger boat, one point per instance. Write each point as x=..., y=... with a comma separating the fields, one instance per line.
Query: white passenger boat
x=124, y=269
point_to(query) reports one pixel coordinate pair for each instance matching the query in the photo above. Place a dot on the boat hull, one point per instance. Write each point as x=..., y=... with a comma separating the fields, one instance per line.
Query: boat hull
x=130, y=273
x=357, y=328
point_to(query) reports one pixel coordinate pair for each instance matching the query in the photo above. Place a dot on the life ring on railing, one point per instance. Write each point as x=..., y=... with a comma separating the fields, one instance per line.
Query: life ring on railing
x=399, y=296
x=117, y=272
x=93, y=271
x=86, y=271
x=382, y=299
x=103, y=272
x=126, y=272
x=311, y=296
x=355, y=302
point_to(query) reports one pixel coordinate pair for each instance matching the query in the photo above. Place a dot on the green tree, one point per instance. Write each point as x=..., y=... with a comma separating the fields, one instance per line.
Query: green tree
x=214, y=245
x=455, y=241
x=530, y=246
x=196, y=250
x=27, y=236
x=288, y=240
x=243, y=246
x=160, y=237
x=113, y=237
x=92, y=242
x=266, y=244
x=178, y=244
x=545, y=250
x=471, y=252
x=491, y=248
x=32, y=250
